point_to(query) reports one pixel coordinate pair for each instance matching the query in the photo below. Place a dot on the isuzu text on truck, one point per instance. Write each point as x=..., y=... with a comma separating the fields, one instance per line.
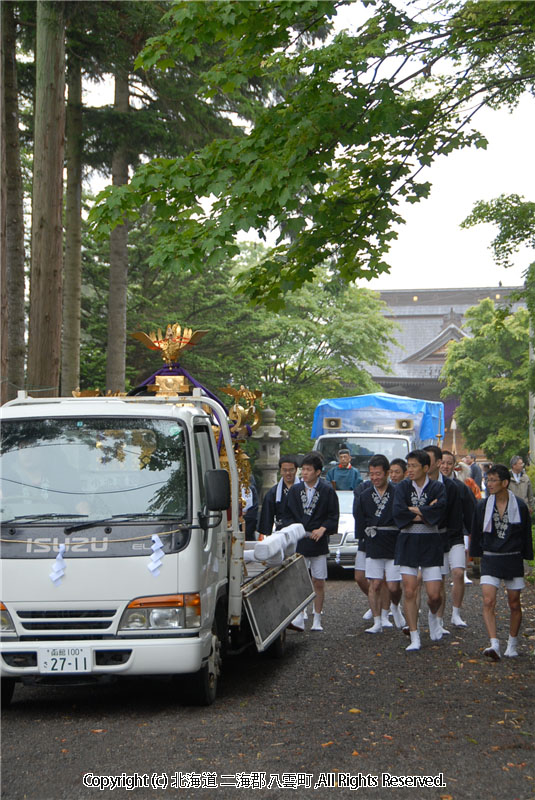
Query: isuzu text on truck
x=122, y=552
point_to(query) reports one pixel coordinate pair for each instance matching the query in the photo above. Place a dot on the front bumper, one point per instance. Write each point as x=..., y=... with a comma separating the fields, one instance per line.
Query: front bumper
x=132, y=656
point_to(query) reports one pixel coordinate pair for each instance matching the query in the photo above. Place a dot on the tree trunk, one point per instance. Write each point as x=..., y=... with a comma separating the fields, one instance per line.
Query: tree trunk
x=116, y=352
x=13, y=204
x=3, y=269
x=44, y=345
x=72, y=272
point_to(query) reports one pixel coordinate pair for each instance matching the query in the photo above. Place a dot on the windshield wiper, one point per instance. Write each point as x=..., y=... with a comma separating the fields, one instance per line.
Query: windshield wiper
x=123, y=517
x=35, y=517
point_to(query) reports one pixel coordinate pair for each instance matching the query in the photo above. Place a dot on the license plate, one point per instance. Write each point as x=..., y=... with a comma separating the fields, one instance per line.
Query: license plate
x=59, y=660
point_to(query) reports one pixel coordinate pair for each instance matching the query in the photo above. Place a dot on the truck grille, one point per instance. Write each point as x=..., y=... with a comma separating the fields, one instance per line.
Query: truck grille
x=52, y=622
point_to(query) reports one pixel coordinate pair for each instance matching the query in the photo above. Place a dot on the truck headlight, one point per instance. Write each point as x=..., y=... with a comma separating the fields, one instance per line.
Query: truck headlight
x=162, y=612
x=6, y=623
x=167, y=618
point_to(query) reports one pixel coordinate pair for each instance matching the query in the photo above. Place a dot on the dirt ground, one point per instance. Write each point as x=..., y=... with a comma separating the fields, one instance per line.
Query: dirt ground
x=341, y=712
x=444, y=710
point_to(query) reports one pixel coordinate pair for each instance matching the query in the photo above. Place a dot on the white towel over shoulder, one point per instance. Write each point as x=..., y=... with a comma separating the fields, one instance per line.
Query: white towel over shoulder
x=513, y=511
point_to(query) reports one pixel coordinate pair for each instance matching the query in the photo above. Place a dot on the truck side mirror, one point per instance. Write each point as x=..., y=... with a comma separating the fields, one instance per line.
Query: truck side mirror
x=217, y=489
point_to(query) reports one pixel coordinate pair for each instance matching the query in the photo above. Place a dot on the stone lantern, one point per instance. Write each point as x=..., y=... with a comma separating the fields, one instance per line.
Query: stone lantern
x=269, y=435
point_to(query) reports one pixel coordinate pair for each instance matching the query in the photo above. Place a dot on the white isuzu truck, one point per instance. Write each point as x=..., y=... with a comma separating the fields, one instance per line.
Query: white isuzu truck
x=121, y=549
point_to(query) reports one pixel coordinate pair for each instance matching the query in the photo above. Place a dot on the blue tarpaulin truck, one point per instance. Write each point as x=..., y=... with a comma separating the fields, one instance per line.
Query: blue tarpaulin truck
x=375, y=423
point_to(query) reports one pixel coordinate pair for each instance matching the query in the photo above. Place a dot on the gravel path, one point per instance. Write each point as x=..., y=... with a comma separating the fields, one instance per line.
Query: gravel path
x=342, y=706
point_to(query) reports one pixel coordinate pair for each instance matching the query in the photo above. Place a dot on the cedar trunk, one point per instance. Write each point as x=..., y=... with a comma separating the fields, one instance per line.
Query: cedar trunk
x=44, y=345
x=14, y=214
x=116, y=351
x=3, y=270
x=72, y=272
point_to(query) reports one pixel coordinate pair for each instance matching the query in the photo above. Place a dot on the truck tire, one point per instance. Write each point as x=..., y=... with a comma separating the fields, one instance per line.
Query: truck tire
x=200, y=688
x=7, y=688
x=277, y=648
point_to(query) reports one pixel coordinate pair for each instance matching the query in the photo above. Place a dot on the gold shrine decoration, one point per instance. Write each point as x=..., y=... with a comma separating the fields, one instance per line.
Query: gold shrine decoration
x=241, y=418
x=170, y=385
x=171, y=345
x=243, y=415
x=96, y=393
x=243, y=464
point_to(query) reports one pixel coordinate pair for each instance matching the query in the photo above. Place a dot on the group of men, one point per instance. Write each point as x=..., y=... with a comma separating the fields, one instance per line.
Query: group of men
x=419, y=536
x=412, y=520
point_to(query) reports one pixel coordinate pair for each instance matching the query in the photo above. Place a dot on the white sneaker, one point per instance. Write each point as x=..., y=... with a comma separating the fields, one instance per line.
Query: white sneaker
x=368, y=614
x=467, y=579
x=458, y=622
x=385, y=622
x=305, y=615
x=316, y=625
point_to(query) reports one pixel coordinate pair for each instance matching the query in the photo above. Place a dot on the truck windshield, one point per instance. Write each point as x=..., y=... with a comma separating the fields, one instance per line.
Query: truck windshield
x=361, y=449
x=92, y=467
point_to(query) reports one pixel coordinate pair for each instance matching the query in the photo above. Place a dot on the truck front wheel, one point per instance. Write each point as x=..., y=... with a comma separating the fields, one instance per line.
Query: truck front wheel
x=7, y=686
x=200, y=688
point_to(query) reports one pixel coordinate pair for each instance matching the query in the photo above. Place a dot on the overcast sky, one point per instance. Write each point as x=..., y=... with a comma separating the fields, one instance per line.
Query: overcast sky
x=432, y=251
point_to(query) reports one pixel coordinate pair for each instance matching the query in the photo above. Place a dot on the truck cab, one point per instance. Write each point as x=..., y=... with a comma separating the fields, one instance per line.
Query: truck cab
x=121, y=550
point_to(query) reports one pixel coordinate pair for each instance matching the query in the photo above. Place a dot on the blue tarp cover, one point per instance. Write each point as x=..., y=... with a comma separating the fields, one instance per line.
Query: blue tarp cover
x=358, y=413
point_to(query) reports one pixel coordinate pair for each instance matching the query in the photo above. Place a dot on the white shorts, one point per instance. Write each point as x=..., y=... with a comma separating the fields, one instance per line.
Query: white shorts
x=454, y=559
x=317, y=566
x=360, y=560
x=379, y=567
x=515, y=584
x=428, y=573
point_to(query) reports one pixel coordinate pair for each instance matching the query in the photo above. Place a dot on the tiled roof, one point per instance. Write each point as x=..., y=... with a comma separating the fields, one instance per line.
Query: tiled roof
x=421, y=316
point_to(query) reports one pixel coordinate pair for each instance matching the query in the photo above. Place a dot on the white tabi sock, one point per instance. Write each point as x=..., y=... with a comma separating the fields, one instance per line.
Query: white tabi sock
x=443, y=629
x=493, y=651
x=385, y=622
x=376, y=627
x=397, y=615
x=299, y=621
x=456, y=618
x=316, y=624
x=415, y=642
x=512, y=647
x=435, y=628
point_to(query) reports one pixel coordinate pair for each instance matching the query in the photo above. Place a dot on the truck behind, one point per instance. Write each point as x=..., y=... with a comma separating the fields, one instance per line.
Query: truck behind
x=375, y=423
